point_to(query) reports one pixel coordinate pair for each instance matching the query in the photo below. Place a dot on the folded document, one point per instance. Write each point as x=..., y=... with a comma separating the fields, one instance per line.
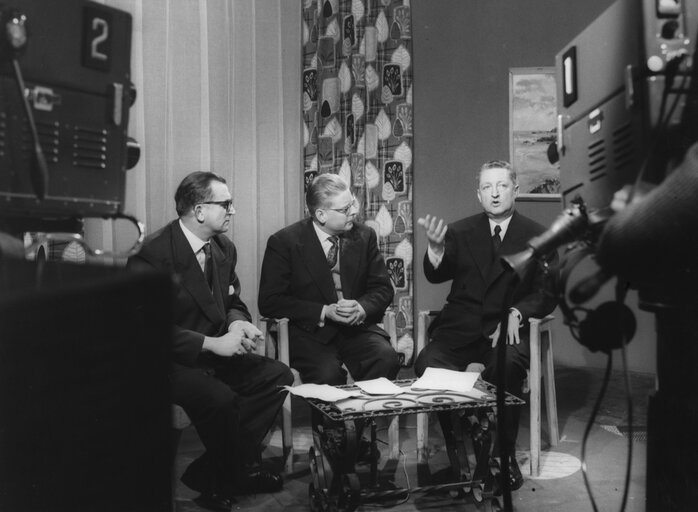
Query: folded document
x=440, y=379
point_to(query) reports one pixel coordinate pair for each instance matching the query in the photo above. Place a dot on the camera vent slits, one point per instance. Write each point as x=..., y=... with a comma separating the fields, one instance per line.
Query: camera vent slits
x=596, y=158
x=623, y=147
x=89, y=148
x=49, y=140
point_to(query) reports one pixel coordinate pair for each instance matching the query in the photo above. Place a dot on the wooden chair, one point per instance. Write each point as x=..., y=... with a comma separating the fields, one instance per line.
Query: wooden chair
x=541, y=366
x=277, y=343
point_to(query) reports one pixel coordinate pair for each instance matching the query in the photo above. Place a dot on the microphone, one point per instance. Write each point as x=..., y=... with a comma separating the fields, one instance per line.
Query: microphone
x=566, y=228
x=589, y=286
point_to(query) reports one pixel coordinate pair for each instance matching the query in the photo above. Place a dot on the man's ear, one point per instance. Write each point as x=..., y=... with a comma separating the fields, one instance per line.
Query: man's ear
x=320, y=216
x=199, y=214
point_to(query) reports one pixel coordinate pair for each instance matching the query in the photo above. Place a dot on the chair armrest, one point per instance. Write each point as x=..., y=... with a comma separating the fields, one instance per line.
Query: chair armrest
x=541, y=321
x=423, y=320
x=390, y=326
x=535, y=325
x=278, y=343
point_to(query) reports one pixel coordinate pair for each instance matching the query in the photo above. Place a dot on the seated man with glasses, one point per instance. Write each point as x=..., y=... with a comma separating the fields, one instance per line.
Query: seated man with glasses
x=230, y=393
x=327, y=276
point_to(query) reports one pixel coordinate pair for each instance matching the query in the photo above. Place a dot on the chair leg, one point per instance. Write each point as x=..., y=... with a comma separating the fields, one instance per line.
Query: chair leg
x=534, y=383
x=287, y=434
x=176, y=437
x=550, y=395
x=394, y=437
x=422, y=437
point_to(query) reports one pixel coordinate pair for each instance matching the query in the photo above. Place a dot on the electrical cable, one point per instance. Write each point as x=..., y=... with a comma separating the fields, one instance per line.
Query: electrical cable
x=621, y=291
x=589, y=424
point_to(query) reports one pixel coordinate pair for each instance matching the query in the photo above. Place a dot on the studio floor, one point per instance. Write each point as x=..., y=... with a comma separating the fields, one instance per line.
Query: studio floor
x=559, y=487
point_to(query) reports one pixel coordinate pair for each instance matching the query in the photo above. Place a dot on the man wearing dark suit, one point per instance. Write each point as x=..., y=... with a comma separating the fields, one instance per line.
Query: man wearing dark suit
x=468, y=327
x=230, y=393
x=327, y=276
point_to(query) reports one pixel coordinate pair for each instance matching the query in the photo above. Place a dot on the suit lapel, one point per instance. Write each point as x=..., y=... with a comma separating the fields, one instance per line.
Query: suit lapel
x=193, y=279
x=221, y=269
x=481, y=246
x=316, y=262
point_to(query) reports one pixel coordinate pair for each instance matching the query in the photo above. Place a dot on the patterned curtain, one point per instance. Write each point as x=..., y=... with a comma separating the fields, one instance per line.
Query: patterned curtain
x=357, y=112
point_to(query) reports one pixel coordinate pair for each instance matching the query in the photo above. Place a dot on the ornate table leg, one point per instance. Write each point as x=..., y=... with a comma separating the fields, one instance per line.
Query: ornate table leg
x=483, y=436
x=455, y=448
x=335, y=484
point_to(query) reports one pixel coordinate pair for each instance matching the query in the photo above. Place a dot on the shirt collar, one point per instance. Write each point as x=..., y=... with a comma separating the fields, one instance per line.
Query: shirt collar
x=195, y=242
x=504, y=225
x=322, y=236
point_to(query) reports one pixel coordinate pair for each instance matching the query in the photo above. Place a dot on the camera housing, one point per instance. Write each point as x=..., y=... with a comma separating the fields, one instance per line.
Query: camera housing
x=622, y=86
x=77, y=83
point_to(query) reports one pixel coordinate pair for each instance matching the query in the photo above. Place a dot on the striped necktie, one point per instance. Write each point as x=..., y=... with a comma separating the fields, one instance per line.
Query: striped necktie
x=208, y=264
x=332, y=253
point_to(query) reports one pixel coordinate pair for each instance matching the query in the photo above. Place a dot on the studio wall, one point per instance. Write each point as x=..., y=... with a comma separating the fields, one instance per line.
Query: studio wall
x=218, y=87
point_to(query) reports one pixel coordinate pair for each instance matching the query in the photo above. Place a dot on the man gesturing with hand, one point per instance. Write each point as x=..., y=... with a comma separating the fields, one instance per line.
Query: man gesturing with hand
x=468, y=253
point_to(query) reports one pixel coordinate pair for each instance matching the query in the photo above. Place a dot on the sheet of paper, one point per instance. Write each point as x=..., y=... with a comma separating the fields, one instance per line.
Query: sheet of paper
x=442, y=379
x=323, y=392
x=379, y=386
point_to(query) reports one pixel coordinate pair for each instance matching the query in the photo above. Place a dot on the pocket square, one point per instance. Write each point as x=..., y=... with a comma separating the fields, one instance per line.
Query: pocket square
x=231, y=290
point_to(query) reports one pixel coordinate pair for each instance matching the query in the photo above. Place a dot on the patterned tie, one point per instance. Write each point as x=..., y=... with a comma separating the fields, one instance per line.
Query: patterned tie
x=332, y=253
x=208, y=267
x=496, y=240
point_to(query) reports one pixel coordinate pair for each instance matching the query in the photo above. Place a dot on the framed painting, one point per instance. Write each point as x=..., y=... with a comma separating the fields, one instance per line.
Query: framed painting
x=532, y=129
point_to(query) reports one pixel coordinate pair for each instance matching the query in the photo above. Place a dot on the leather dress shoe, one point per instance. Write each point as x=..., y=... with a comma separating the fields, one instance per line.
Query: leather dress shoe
x=213, y=501
x=516, y=479
x=258, y=482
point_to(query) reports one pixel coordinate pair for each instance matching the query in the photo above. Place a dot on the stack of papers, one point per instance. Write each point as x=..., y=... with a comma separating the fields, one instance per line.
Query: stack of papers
x=433, y=379
x=440, y=379
x=380, y=386
x=323, y=392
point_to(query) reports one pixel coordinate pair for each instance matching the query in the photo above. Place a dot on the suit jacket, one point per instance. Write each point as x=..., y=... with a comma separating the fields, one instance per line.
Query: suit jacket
x=480, y=286
x=198, y=311
x=296, y=281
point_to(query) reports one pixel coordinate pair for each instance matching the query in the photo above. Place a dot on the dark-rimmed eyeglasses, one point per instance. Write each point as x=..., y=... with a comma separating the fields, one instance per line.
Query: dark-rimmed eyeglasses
x=345, y=210
x=226, y=205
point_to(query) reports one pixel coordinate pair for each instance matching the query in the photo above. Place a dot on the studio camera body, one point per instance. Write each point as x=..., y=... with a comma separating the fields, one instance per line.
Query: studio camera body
x=627, y=144
x=65, y=95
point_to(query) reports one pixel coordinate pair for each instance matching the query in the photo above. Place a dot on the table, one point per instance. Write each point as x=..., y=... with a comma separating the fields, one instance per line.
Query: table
x=335, y=484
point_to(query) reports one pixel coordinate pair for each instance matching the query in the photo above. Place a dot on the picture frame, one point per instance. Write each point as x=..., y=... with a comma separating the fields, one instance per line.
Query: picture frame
x=532, y=128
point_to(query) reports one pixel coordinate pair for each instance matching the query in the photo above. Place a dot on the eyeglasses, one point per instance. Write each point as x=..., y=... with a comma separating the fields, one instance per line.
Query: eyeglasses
x=345, y=210
x=226, y=205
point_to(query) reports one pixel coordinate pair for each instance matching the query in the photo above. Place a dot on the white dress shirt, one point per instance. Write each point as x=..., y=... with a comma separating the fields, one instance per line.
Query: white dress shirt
x=196, y=244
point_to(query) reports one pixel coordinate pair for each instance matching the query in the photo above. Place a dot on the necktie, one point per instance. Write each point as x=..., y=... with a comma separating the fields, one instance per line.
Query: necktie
x=332, y=253
x=208, y=265
x=496, y=240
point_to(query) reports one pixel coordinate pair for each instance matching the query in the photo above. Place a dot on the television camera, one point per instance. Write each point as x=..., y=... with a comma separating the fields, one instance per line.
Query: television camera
x=65, y=95
x=626, y=142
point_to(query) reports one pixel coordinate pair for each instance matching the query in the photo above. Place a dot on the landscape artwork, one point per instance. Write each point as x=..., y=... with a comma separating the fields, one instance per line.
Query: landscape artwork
x=533, y=128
